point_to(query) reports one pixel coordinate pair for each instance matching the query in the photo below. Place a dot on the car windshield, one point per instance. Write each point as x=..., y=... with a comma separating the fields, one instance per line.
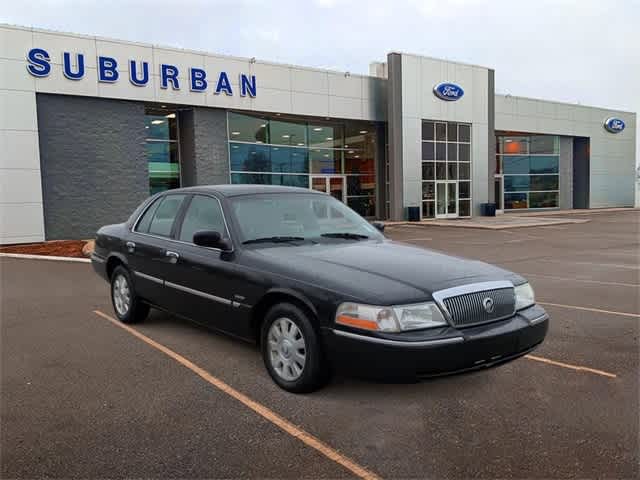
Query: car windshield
x=295, y=217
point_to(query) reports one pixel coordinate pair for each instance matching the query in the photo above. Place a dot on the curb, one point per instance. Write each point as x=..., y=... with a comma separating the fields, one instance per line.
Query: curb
x=45, y=257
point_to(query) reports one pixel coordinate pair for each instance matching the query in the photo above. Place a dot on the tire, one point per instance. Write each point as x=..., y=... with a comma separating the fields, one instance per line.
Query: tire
x=126, y=304
x=291, y=350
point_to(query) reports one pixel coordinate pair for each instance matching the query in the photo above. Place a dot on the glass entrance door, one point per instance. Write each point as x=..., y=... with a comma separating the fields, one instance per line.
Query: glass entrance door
x=447, y=199
x=498, y=185
x=334, y=185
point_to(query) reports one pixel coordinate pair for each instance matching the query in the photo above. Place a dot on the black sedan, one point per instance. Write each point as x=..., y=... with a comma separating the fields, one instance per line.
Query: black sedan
x=315, y=285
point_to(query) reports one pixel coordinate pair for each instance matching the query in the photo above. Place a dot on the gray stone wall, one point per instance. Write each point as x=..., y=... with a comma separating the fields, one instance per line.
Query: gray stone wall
x=204, y=149
x=566, y=173
x=94, y=169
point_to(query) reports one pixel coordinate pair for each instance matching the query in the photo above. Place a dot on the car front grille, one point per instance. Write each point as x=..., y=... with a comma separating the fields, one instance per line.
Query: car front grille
x=469, y=308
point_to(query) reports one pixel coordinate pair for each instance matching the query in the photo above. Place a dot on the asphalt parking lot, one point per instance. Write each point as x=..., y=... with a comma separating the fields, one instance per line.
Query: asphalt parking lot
x=81, y=397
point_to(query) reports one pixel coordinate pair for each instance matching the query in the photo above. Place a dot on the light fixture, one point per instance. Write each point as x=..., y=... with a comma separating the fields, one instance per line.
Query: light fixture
x=329, y=138
x=156, y=122
x=286, y=136
x=363, y=131
x=234, y=146
x=146, y=126
x=276, y=148
x=235, y=133
x=258, y=141
x=170, y=115
x=351, y=151
x=346, y=146
x=357, y=156
x=508, y=140
x=253, y=153
x=263, y=125
x=326, y=155
x=163, y=106
x=301, y=144
x=317, y=129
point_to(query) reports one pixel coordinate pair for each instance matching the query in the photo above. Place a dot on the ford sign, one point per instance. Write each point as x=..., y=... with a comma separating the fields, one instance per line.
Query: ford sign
x=448, y=91
x=614, y=125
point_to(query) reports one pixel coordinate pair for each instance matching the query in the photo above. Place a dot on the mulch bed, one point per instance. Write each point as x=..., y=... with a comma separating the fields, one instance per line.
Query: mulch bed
x=56, y=248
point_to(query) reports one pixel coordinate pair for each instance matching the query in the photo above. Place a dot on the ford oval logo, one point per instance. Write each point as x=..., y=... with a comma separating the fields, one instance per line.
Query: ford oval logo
x=448, y=91
x=614, y=125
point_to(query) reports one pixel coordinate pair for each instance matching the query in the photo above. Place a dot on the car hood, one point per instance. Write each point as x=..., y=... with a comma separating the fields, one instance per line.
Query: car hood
x=384, y=271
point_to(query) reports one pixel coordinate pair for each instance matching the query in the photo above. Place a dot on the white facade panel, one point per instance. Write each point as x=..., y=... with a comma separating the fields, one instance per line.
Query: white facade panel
x=15, y=42
x=14, y=76
x=345, y=107
x=310, y=103
x=19, y=149
x=16, y=186
x=21, y=223
x=345, y=85
x=56, y=82
x=18, y=110
x=56, y=44
x=309, y=81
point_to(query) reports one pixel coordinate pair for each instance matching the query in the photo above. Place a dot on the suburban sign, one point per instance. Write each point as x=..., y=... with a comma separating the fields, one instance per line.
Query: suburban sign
x=448, y=91
x=614, y=125
x=108, y=71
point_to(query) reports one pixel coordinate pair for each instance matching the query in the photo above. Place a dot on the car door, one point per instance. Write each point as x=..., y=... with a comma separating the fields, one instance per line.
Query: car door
x=208, y=282
x=149, y=250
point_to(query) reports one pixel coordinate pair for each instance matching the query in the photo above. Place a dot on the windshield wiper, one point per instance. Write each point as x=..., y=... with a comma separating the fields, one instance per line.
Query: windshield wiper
x=347, y=235
x=273, y=240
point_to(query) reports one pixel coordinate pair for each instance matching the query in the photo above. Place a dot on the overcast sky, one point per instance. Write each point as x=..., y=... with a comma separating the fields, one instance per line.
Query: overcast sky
x=585, y=51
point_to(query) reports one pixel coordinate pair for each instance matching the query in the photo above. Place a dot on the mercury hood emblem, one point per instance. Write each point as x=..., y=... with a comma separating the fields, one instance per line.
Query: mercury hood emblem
x=487, y=303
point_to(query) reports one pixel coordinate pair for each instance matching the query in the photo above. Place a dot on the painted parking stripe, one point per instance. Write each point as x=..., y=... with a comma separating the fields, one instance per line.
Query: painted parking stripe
x=257, y=407
x=599, y=282
x=571, y=367
x=589, y=309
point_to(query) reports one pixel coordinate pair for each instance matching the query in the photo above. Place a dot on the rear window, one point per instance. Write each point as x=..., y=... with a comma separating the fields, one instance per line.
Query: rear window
x=159, y=218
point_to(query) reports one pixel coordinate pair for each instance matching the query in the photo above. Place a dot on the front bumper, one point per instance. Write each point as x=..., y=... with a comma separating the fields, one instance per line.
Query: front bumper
x=436, y=352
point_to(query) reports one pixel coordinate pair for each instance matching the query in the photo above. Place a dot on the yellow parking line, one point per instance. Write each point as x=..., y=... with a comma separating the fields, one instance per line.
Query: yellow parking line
x=597, y=310
x=572, y=367
x=260, y=409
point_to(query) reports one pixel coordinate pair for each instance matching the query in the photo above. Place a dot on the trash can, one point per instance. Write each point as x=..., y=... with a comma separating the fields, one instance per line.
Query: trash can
x=488, y=209
x=413, y=214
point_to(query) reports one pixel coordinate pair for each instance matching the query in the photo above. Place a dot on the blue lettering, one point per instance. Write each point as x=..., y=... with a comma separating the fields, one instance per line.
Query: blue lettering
x=39, y=65
x=169, y=73
x=133, y=73
x=223, y=84
x=107, y=69
x=247, y=85
x=67, y=67
x=198, y=82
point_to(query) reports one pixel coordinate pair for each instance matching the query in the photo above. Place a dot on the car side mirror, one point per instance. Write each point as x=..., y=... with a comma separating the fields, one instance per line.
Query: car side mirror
x=211, y=239
x=379, y=226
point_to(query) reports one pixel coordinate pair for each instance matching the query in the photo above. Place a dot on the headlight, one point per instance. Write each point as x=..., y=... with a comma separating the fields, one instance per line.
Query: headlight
x=524, y=296
x=390, y=319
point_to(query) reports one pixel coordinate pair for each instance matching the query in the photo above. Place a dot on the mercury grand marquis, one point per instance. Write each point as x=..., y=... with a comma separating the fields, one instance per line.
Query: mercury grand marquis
x=316, y=286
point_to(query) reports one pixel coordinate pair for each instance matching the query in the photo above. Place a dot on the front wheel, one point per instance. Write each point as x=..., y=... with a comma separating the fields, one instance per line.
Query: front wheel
x=291, y=349
x=128, y=307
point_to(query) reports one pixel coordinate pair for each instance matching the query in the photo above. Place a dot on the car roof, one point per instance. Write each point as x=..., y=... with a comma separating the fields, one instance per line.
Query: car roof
x=240, y=189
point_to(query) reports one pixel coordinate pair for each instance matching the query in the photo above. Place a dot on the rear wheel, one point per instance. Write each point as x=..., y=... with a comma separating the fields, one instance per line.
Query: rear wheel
x=291, y=349
x=128, y=307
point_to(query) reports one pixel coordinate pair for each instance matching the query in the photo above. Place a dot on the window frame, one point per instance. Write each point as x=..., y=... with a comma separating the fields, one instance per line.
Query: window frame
x=183, y=215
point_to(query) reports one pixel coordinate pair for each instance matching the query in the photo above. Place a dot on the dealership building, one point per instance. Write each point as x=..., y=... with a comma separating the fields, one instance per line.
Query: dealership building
x=89, y=127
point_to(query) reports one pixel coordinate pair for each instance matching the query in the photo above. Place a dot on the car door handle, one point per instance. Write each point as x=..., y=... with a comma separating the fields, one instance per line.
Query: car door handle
x=131, y=246
x=173, y=256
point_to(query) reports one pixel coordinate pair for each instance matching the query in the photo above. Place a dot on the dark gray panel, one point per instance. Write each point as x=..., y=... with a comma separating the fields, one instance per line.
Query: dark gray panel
x=94, y=168
x=187, y=148
x=581, y=172
x=211, y=151
x=394, y=118
x=491, y=163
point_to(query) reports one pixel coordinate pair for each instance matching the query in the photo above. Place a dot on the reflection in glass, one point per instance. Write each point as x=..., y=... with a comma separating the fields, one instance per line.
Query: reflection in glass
x=441, y=132
x=325, y=136
x=452, y=171
x=464, y=208
x=464, y=133
x=287, y=133
x=427, y=131
x=246, y=128
x=465, y=189
x=515, y=164
x=516, y=183
x=464, y=152
x=515, y=200
x=428, y=170
x=271, y=179
x=543, y=200
x=452, y=152
x=325, y=161
x=428, y=190
x=441, y=171
x=428, y=210
x=543, y=164
x=160, y=127
x=544, y=144
x=452, y=132
x=365, y=206
x=544, y=182
x=464, y=171
x=361, y=184
x=428, y=151
x=441, y=151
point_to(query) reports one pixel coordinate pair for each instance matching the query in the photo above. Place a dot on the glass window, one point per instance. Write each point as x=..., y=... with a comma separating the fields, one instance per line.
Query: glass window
x=428, y=209
x=515, y=164
x=145, y=221
x=361, y=185
x=365, y=206
x=428, y=151
x=428, y=190
x=464, y=207
x=247, y=128
x=452, y=132
x=250, y=157
x=464, y=189
x=516, y=183
x=464, y=171
x=325, y=136
x=464, y=152
x=464, y=133
x=289, y=160
x=162, y=126
x=543, y=164
x=427, y=131
x=544, y=144
x=441, y=151
x=544, y=182
x=452, y=171
x=325, y=161
x=515, y=200
x=452, y=152
x=514, y=145
x=356, y=161
x=203, y=213
x=441, y=171
x=271, y=179
x=441, y=132
x=288, y=133
x=165, y=215
x=543, y=200
x=428, y=170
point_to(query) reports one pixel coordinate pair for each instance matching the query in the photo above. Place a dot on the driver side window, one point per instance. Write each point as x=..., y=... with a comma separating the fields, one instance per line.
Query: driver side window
x=203, y=213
